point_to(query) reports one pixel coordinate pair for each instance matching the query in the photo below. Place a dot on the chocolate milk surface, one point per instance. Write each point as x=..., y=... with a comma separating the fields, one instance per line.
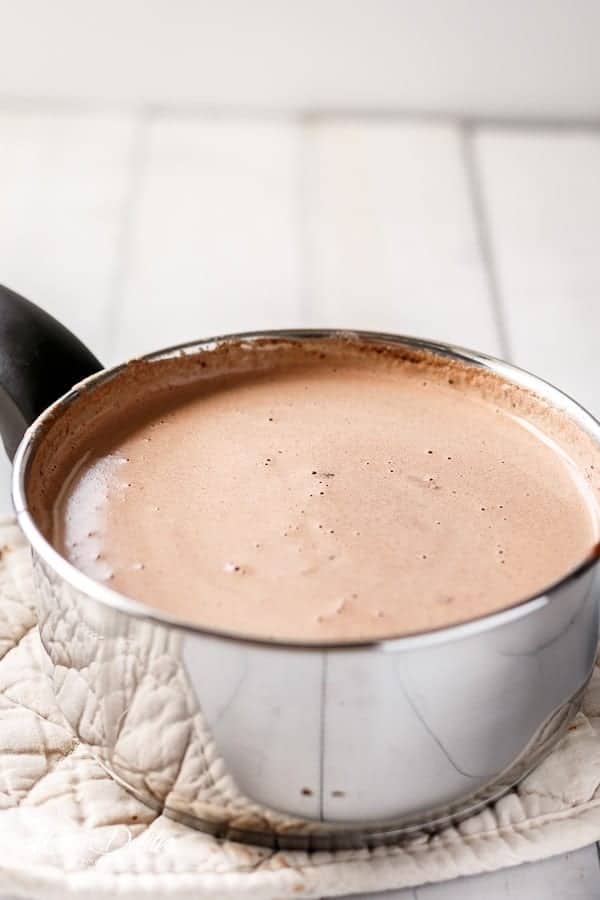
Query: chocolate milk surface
x=337, y=495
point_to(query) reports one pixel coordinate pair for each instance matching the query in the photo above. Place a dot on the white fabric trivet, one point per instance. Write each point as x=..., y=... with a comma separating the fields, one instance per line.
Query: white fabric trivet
x=67, y=829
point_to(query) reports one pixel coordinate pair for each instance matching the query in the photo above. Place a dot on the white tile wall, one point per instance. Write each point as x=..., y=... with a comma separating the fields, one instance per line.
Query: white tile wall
x=215, y=240
x=64, y=182
x=542, y=196
x=393, y=237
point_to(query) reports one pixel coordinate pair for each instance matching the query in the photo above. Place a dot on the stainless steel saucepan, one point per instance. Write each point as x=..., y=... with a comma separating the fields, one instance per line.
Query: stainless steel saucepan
x=280, y=743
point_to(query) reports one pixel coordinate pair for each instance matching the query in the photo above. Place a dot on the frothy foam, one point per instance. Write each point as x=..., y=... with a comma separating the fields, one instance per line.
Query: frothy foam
x=326, y=496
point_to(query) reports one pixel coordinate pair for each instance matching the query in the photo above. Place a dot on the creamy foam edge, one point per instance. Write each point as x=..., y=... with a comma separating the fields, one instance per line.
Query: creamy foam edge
x=327, y=490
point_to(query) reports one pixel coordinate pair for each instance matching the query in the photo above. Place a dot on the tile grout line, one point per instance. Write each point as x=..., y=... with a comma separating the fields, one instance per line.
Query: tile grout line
x=482, y=227
x=138, y=158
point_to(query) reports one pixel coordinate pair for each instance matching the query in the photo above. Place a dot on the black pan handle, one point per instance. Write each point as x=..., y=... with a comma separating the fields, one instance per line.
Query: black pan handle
x=39, y=361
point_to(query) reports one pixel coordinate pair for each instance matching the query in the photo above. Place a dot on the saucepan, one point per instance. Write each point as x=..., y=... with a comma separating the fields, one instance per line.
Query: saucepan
x=279, y=743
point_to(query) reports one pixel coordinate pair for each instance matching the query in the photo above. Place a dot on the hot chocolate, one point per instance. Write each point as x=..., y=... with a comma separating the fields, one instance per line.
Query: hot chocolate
x=327, y=493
